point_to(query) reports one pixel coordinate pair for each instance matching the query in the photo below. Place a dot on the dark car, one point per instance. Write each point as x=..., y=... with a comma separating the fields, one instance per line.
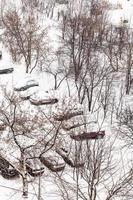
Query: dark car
x=3, y=163
x=6, y=71
x=88, y=135
x=9, y=173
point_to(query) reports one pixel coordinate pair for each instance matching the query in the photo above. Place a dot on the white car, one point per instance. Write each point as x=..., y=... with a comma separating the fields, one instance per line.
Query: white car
x=26, y=84
x=43, y=98
x=52, y=161
x=34, y=167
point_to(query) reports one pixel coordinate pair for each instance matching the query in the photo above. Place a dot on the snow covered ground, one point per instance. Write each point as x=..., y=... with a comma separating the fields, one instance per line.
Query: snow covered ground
x=12, y=189
x=123, y=11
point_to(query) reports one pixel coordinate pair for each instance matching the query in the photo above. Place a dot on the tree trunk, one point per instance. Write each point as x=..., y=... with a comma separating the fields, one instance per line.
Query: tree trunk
x=128, y=79
x=128, y=72
x=25, y=186
x=39, y=188
x=25, y=181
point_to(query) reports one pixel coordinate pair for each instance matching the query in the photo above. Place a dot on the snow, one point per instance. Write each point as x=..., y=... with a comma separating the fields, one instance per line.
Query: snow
x=53, y=157
x=43, y=95
x=26, y=83
x=12, y=189
x=29, y=92
x=125, y=12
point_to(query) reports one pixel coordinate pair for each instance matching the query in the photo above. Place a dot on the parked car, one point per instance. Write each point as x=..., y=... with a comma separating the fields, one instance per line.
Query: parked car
x=4, y=164
x=62, y=1
x=53, y=162
x=26, y=84
x=6, y=71
x=34, y=167
x=43, y=98
x=9, y=173
x=64, y=154
x=88, y=135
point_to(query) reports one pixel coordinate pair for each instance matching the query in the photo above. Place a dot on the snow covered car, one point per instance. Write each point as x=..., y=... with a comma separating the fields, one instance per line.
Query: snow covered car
x=34, y=167
x=52, y=161
x=68, y=115
x=88, y=135
x=26, y=84
x=9, y=173
x=6, y=71
x=62, y=1
x=2, y=126
x=73, y=124
x=66, y=157
x=67, y=109
x=3, y=163
x=43, y=98
x=26, y=94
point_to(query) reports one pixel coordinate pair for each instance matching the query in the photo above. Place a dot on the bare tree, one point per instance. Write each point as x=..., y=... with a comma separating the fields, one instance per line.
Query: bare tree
x=25, y=39
x=35, y=136
x=100, y=176
x=84, y=36
x=125, y=127
x=21, y=126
